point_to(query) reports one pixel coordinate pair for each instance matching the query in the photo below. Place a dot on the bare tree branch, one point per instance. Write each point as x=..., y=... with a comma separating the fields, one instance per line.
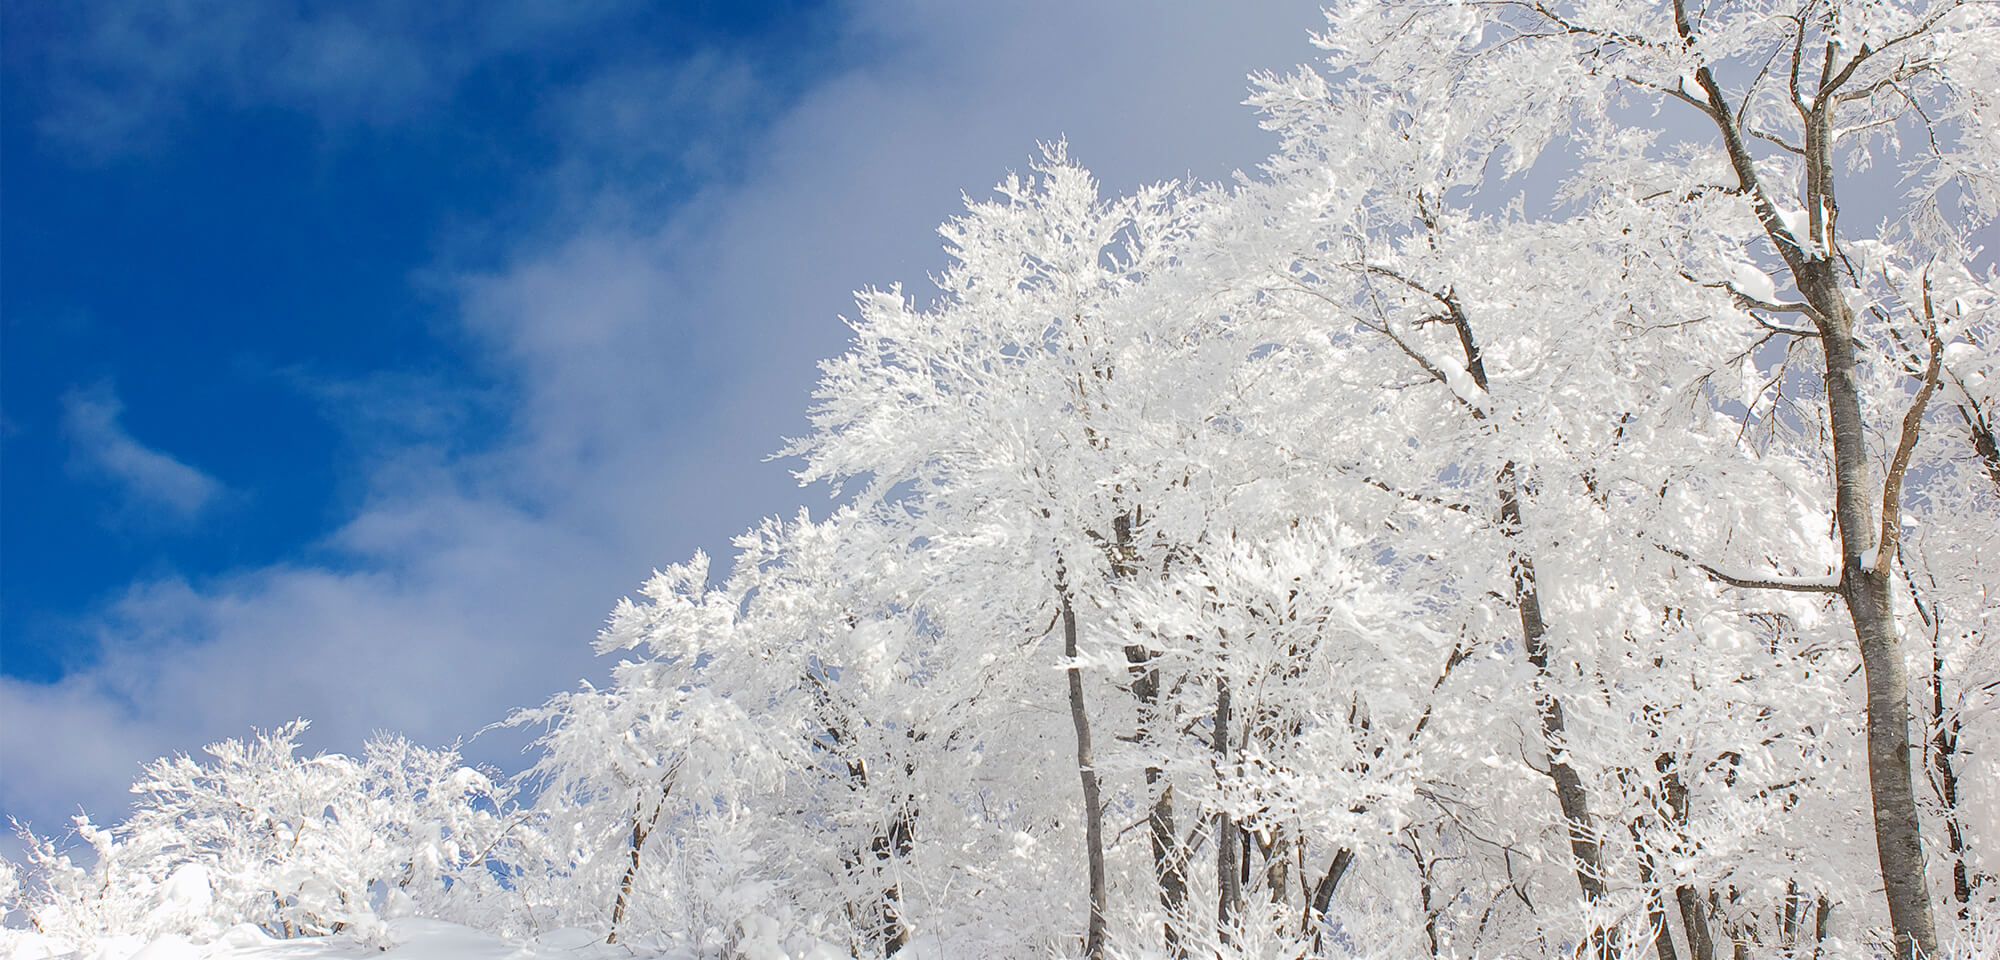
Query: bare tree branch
x=1913, y=423
x=1795, y=585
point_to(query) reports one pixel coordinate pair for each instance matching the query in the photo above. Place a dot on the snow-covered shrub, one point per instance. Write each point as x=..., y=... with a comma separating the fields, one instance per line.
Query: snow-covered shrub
x=298, y=846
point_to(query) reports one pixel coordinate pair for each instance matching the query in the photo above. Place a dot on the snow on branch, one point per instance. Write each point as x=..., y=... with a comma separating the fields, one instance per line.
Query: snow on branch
x=1827, y=584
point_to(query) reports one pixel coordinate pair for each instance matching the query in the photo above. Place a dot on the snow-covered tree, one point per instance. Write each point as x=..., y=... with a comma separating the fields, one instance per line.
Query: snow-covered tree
x=300, y=846
x=1525, y=518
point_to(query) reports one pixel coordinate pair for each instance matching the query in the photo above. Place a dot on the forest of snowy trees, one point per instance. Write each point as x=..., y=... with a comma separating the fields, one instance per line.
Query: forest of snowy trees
x=1549, y=509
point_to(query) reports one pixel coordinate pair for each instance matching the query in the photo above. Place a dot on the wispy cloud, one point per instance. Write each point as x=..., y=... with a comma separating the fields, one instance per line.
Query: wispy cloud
x=636, y=125
x=385, y=412
x=151, y=482
x=125, y=71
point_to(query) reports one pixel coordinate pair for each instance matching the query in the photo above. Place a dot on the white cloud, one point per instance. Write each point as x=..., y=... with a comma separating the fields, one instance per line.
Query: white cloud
x=654, y=370
x=154, y=484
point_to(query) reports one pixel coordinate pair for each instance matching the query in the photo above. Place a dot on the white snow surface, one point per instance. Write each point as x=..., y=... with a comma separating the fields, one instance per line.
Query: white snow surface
x=409, y=938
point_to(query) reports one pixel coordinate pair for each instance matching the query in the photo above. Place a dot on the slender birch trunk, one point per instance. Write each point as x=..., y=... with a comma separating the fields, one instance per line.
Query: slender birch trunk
x=1086, y=769
x=1865, y=559
x=1277, y=865
x=1656, y=908
x=1571, y=795
x=1944, y=746
x=1942, y=750
x=1322, y=895
x=1228, y=861
x=642, y=827
x=1694, y=919
x=895, y=844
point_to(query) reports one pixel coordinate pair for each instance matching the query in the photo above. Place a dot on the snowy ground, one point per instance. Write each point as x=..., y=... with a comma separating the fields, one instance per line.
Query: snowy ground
x=414, y=938
x=410, y=938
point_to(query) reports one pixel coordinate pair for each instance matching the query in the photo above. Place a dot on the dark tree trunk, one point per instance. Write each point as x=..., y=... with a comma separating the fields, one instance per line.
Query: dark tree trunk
x=1944, y=747
x=895, y=845
x=1322, y=896
x=1694, y=921
x=1983, y=442
x=1228, y=861
x=1168, y=870
x=1167, y=865
x=1656, y=911
x=642, y=827
x=1822, y=918
x=1086, y=768
x=1277, y=872
x=1571, y=796
x=631, y=873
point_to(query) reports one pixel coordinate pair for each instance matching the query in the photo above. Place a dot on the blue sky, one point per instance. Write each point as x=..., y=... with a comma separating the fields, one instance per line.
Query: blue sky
x=354, y=360
x=199, y=256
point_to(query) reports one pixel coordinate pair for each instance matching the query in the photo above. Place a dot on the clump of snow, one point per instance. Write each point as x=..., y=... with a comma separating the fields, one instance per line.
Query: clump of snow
x=1796, y=224
x=185, y=895
x=244, y=936
x=1753, y=283
x=31, y=945
x=168, y=946
x=1461, y=383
